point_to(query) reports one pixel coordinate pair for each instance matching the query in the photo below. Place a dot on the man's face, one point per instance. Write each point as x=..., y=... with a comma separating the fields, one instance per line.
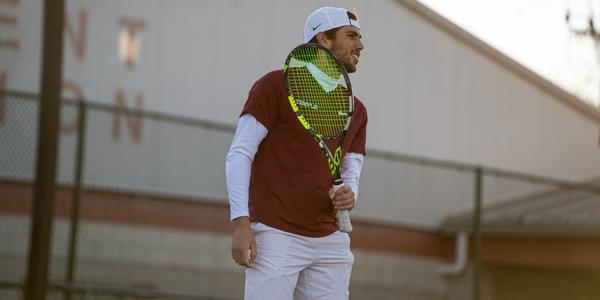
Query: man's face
x=347, y=46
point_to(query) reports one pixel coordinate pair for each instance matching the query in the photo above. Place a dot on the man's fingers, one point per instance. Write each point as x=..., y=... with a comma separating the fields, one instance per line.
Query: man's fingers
x=343, y=190
x=241, y=256
x=346, y=207
x=344, y=203
x=344, y=198
x=245, y=259
x=253, y=252
x=331, y=193
x=235, y=254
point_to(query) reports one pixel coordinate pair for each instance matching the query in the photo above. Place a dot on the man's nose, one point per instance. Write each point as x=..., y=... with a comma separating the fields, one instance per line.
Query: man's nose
x=360, y=45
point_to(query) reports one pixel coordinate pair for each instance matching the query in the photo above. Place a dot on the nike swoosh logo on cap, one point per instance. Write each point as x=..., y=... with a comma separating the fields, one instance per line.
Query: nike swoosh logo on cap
x=315, y=28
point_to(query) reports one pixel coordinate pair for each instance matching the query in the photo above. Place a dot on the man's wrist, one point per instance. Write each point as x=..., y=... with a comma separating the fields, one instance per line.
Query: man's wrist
x=241, y=220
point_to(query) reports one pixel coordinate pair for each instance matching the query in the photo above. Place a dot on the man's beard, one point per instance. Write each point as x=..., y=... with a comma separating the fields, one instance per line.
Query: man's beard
x=348, y=65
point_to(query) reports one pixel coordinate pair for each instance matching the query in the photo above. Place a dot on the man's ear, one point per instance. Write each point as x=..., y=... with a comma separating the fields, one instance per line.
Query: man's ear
x=323, y=40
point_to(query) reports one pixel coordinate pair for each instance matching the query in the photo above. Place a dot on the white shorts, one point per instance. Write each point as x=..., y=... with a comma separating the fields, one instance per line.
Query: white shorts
x=290, y=266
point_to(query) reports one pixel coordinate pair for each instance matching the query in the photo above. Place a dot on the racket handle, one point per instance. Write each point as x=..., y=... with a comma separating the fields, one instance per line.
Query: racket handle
x=343, y=216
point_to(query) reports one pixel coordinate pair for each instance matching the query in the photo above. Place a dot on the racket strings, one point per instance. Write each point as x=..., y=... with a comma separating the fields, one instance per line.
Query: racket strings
x=319, y=91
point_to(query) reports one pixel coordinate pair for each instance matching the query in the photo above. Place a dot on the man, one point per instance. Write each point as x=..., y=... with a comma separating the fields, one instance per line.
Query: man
x=281, y=197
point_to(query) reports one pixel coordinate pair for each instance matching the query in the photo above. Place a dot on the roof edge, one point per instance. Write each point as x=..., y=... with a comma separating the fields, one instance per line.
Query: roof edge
x=510, y=64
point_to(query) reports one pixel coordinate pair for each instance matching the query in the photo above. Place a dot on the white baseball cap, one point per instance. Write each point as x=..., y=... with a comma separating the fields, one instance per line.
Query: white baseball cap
x=326, y=18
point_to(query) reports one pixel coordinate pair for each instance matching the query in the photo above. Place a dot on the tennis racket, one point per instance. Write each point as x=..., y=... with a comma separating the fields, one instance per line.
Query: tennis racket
x=320, y=94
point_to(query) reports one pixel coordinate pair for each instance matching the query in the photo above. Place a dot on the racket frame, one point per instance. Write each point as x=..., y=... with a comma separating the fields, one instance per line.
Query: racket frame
x=334, y=160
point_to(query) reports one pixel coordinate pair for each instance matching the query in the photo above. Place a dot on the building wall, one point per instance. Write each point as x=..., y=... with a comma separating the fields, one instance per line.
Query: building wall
x=196, y=262
x=555, y=283
x=130, y=240
x=429, y=91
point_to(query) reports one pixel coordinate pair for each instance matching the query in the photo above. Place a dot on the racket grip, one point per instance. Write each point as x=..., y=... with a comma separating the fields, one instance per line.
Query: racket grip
x=343, y=216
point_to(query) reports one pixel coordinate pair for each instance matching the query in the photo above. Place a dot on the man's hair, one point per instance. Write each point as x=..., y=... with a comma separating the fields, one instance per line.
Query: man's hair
x=330, y=34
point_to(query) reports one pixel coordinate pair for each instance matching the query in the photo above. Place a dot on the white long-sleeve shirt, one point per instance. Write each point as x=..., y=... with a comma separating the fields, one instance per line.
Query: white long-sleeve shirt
x=248, y=136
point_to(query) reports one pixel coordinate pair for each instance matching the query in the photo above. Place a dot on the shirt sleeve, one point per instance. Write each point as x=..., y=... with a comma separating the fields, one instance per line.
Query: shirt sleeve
x=350, y=171
x=248, y=136
x=262, y=101
x=359, y=141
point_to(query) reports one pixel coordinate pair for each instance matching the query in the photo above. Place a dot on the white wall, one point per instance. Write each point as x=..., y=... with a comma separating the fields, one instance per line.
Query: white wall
x=428, y=93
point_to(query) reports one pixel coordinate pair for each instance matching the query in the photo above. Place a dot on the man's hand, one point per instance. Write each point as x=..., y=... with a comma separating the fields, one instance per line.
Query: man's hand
x=243, y=244
x=343, y=198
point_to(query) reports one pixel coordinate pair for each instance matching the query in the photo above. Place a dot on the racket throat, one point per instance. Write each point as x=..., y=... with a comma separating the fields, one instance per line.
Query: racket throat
x=334, y=160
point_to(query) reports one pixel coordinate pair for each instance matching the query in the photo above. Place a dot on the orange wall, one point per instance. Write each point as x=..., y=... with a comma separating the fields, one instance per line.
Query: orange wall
x=213, y=216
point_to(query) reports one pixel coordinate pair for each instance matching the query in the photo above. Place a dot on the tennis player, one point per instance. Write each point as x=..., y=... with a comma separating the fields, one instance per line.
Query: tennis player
x=280, y=188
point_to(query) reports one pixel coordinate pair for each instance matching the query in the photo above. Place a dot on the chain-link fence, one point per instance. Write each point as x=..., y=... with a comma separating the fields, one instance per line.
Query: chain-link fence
x=529, y=205
x=132, y=167
x=141, y=207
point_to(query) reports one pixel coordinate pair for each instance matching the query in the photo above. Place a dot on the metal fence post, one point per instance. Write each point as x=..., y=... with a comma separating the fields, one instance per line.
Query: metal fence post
x=76, y=198
x=477, y=235
x=44, y=188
